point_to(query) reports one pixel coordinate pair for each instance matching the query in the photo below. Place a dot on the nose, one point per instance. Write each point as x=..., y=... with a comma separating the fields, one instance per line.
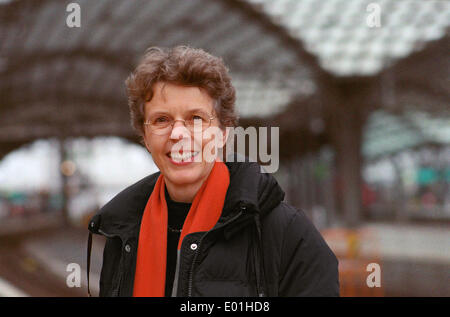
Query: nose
x=179, y=131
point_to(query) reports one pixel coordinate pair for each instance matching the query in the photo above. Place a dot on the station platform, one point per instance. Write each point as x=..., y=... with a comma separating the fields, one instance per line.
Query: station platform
x=414, y=259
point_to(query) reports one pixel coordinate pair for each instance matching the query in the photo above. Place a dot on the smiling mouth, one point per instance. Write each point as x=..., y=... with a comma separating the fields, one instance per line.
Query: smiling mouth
x=183, y=156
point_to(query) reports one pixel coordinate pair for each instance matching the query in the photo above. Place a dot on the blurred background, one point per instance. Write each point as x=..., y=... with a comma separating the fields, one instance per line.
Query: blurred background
x=359, y=89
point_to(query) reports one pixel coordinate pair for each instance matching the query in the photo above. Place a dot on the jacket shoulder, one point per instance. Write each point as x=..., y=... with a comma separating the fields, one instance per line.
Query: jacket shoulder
x=281, y=216
x=295, y=227
x=285, y=216
x=126, y=205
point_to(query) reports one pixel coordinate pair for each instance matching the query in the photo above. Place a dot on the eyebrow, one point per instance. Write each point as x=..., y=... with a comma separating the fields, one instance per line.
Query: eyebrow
x=164, y=112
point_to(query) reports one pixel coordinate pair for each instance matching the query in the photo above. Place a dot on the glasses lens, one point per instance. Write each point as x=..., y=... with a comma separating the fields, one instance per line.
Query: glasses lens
x=161, y=131
x=160, y=124
x=198, y=122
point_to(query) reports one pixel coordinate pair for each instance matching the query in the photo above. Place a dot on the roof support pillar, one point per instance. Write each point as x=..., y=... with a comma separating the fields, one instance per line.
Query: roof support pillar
x=349, y=111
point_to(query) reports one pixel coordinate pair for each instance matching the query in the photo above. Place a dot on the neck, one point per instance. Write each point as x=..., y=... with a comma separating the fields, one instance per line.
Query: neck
x=184, y=193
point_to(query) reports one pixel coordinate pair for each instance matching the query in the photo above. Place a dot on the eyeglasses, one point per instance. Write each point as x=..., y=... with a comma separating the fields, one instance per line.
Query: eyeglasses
x=162, y=124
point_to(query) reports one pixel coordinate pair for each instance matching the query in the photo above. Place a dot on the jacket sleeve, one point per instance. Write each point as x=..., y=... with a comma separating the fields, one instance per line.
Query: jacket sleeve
x=308, y=266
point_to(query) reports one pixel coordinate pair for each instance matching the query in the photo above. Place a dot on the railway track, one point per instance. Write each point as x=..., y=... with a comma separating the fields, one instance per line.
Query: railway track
x=27, y=276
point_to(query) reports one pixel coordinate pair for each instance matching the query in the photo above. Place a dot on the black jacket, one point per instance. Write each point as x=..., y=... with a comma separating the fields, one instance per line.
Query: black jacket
x=260, y=246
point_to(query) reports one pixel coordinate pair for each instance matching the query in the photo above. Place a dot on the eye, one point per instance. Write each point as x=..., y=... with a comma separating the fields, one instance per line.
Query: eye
x=161, y=120
x=199, y=116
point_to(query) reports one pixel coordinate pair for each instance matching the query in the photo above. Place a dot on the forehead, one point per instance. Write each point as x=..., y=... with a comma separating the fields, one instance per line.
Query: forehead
x=170, y=97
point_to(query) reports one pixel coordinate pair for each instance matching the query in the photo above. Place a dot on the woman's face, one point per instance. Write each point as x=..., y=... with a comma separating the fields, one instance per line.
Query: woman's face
x=179, y=153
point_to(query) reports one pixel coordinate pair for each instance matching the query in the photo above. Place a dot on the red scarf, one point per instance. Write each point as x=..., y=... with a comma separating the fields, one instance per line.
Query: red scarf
x=150, y=276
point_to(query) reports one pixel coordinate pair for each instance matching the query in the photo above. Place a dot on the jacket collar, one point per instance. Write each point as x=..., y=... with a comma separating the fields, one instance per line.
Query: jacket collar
x=259, y=192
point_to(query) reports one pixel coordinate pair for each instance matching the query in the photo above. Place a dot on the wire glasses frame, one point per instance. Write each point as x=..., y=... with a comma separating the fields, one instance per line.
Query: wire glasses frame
x=190, y=124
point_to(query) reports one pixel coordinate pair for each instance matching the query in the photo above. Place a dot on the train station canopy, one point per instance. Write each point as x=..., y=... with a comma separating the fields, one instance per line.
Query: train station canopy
x=58, y=81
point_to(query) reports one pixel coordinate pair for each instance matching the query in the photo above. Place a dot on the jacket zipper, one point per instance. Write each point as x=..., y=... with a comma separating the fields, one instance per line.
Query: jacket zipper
x=191, y=272
x=116, y=291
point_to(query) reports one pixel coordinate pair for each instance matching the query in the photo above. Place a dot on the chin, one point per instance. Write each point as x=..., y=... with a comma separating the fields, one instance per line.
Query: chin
x=183, y=177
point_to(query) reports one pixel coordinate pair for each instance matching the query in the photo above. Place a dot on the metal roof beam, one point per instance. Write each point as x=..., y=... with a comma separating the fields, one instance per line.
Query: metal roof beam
x=122, y=59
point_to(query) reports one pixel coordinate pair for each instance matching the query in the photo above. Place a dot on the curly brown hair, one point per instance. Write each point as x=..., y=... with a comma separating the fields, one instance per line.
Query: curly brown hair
x=184, y=66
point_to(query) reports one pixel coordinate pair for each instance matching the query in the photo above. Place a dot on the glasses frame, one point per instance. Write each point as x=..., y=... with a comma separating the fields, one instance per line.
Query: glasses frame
x=146, y=123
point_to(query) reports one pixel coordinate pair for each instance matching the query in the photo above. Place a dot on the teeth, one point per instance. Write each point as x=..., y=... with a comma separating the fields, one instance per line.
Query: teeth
x=182, y=157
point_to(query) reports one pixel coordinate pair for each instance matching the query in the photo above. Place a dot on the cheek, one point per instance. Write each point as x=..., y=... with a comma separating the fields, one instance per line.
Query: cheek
x=154, y=145
x=201, y=143
x=212, y=138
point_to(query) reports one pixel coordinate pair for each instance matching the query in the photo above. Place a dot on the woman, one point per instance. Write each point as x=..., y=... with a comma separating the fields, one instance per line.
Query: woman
x=201, y=226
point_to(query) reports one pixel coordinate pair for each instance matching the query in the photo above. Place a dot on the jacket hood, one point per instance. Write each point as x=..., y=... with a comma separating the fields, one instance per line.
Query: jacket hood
x=252, y=187
x=256, y=191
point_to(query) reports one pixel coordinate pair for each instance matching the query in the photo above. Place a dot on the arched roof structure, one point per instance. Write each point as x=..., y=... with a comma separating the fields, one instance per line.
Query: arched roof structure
x=59, y=81
x=316, y=69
